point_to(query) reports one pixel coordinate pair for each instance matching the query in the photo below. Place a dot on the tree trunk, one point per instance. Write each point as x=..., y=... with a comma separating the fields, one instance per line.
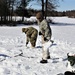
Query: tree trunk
x=43, y=8
x=46, y=8
x=23, y=7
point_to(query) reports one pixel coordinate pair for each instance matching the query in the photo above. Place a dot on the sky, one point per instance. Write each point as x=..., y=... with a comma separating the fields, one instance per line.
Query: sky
x=63, y=5
x=66, y=5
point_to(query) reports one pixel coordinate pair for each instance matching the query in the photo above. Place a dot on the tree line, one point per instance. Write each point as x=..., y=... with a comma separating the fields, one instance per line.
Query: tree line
x=69, y=13
x=10, y=8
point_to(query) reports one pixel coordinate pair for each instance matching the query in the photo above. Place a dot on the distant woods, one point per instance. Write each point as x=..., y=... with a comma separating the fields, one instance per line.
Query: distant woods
x=10, y=8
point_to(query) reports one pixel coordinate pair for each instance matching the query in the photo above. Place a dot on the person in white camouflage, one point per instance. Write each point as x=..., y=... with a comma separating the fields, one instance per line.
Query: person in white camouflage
x=31, y=34
x=70, y=64
x=46, y=33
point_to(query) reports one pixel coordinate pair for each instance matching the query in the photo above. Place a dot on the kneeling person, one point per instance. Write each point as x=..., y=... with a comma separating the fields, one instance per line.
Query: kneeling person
x=31, y=34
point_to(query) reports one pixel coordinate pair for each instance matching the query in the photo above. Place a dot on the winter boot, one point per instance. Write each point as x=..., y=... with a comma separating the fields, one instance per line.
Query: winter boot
x=43, y=61
x=48, y=57
x=52, y=41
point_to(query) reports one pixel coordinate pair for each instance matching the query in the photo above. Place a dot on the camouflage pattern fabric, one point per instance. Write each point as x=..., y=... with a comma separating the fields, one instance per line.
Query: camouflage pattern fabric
x=31, y=34
x=71, y=59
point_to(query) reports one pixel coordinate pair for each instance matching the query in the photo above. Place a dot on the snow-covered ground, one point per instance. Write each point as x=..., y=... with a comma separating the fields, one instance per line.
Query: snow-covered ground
x=12, y=43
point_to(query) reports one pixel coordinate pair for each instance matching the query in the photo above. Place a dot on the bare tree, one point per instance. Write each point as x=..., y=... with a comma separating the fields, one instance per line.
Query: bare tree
x=11, y=4
x=42, y=7
x=23, y=4
x=47, y=5
x=3, y=9
x=46, y=8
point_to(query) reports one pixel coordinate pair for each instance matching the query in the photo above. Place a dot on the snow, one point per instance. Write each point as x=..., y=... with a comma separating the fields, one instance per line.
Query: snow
x=64, y=20
x=12, y=44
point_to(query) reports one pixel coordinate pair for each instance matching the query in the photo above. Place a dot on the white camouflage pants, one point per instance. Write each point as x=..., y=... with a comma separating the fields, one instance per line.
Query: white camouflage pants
x=45, y=48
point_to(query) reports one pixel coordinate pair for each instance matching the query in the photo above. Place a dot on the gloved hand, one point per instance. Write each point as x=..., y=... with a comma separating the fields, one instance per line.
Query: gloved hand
x=26, y=43
x=45, y=39
x=40, y=33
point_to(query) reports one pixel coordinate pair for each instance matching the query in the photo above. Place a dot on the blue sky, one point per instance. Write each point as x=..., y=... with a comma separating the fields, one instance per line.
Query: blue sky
x=63, y=5
x=66, y=5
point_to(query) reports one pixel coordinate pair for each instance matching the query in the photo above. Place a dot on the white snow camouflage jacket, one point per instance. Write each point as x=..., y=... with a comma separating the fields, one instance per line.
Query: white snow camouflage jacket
x=45, y=29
